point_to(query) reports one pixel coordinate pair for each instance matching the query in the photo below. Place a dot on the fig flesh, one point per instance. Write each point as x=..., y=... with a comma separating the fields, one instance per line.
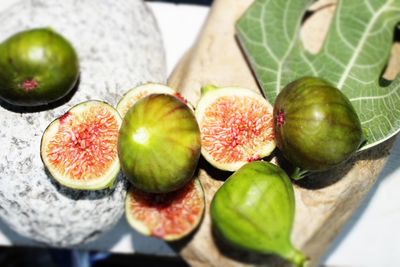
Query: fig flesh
x=133, y=95
x=236, y=126
x=254, y=210
x=37, y=67
x=79, y=149
x=169, y=216
x=159, y=144
x=316, y=126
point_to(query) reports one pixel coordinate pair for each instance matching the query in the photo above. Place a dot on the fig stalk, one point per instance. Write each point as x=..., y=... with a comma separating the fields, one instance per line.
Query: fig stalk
x=297, y=258
x=208, y=88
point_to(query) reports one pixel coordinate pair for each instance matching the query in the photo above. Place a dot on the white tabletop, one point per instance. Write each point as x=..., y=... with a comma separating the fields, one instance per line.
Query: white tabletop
x=370, y=239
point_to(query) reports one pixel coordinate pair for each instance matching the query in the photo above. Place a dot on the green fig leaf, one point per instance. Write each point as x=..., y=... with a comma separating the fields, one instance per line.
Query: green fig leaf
x=353, y=57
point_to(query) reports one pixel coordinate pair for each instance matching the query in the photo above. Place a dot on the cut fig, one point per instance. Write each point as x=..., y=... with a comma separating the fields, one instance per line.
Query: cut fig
x=159, y=144
x=169, y=216
x=79, y=149
x=236, y=126
x=133, y=95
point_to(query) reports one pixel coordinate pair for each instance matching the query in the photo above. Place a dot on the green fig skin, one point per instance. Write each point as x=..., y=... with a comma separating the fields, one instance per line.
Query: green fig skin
x=37, y=67
x=316, y=126
x=254, y=210
x=159, y=144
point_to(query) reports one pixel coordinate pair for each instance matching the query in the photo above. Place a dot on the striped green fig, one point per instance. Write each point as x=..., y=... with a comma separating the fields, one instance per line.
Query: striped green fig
x=159, y=143
x=37, y=67
x=316, y=127
x=254, y=210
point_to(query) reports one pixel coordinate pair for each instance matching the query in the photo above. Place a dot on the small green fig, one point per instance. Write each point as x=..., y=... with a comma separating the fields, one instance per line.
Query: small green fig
x=37, y=67
x=254, y=210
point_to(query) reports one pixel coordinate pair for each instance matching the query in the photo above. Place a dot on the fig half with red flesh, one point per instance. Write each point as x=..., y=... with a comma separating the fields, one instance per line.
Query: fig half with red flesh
x=168, y=216
x=79, y=149
x=133, y=95
x=236, y=126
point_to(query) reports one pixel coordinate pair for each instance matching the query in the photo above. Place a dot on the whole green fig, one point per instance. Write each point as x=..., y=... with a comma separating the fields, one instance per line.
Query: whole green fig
x=37, y=67
x=254, y=209
x=159, y=144
x=316, y=126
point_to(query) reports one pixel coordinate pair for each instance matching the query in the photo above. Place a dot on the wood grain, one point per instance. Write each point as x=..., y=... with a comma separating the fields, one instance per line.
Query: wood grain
x=324, y=202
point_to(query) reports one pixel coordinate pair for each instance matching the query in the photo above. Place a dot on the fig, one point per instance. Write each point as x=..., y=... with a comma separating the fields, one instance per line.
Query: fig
x=79, y=149
x=37, y=67
x=168, y=216
x=316, y=126
x=236, y=126
x=133, y=95
x=159, y=144
x=254, y=210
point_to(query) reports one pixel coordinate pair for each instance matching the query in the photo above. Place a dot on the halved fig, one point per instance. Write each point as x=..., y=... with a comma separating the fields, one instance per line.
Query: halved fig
x=79, y=149
x=159, y=144
x=133, y=95
x=236, y=126
x=169, y=216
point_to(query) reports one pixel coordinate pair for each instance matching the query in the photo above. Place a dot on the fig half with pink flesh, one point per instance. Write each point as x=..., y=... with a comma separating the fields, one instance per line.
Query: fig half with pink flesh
x=79, y=149
x=236, y=126
x=133, y=95
x=168, y=216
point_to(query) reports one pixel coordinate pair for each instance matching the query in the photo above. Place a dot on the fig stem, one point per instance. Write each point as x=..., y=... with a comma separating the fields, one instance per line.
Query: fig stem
x=364, y=140
x=207, y=88
x=299, y=174
x=298, y=258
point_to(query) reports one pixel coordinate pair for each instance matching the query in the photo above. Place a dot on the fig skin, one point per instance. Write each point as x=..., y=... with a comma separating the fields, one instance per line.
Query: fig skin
x=316, y=126
x=37, y=67
x=254, y=210
x=159, y=144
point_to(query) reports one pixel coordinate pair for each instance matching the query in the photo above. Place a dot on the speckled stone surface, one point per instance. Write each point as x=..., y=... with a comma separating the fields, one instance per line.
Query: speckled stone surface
x=119, y=46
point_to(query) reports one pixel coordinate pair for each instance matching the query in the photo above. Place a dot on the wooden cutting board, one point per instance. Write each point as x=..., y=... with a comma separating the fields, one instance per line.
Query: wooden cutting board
x=324, y=202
